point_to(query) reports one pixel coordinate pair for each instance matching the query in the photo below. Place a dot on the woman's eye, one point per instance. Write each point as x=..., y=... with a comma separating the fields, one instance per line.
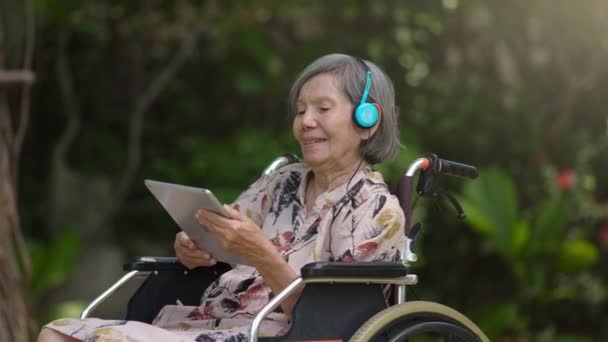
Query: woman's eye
x=324, y=109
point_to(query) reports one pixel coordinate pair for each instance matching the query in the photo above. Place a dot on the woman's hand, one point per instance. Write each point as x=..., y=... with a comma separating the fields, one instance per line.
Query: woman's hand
x=189, y=254
x=237, y=234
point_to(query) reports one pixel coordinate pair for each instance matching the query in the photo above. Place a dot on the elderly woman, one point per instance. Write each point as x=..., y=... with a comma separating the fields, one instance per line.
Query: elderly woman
x=332, y=207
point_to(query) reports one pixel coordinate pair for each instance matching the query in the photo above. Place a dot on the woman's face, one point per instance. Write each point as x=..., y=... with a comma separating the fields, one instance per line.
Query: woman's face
x=323, y=125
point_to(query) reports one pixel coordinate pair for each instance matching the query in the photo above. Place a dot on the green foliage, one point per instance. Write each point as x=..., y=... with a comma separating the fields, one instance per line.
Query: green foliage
x=52, y=262
x=534, y=241
x=494, y=320
x=548, y=227
x=577, y=255
x=226, y=167
x=65, y=309
x=52, y=265
x=491, y=206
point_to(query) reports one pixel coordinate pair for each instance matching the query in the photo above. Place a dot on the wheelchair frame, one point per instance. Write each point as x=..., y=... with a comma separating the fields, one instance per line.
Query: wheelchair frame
x=416, y=316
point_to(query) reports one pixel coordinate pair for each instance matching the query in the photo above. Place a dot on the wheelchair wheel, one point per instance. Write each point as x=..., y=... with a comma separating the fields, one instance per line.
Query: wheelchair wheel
x=419, y=321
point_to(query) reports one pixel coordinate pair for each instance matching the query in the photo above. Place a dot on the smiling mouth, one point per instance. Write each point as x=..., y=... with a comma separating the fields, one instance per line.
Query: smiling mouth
x=313, y=141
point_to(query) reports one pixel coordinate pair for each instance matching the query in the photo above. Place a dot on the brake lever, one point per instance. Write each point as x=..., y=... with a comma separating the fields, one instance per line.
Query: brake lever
x=434, y=192
x=414, y=235
x=461, y=215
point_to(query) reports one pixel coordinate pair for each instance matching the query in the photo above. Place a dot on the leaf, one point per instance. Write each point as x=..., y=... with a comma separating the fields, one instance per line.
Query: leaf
x=547, y=231
x=63, y=309
x=577, y=255
x=249, y=83
x=490, y=204
x=521, y=236
x=498, y=319
x=58, y=12
x=53, y=263
x=256, y=44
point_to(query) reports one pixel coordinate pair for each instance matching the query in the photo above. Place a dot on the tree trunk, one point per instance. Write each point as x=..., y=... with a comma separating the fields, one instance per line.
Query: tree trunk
x=14, y=260
x=13, y=313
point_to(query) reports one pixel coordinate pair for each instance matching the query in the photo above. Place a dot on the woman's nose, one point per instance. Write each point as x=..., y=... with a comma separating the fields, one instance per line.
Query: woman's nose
x=308, y=119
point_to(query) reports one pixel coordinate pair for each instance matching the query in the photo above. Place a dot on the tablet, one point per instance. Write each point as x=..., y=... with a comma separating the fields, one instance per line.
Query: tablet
x=181, y=203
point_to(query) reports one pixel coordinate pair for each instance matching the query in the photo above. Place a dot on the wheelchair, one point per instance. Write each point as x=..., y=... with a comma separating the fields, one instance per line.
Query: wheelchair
x=340, y=301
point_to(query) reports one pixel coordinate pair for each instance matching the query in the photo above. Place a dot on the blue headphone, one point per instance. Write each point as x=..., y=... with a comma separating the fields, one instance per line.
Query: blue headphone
x=366, y=114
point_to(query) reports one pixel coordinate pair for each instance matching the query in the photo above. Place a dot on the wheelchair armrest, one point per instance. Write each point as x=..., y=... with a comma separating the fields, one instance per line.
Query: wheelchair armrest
x=354, y=270
x=149, y=263
x=173, y=265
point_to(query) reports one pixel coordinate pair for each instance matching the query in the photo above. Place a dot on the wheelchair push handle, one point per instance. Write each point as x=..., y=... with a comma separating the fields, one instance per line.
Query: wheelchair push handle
x=451, y=168
x=442, y=166
x=429, y=166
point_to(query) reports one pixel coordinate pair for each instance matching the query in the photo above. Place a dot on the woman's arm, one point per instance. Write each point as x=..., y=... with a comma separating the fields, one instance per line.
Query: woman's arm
x=277, y=274
x=239, y=234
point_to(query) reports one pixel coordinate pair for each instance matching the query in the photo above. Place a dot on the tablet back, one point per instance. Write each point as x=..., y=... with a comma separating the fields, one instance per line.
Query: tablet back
x=181, y=203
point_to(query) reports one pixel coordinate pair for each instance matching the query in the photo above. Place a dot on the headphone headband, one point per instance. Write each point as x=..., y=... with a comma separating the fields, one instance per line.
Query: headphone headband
x=366, y=114
x=368, y=80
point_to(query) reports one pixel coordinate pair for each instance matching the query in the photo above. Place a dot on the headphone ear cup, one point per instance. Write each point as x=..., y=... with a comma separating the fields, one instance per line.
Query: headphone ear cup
x=377, y=108
x=366, y=115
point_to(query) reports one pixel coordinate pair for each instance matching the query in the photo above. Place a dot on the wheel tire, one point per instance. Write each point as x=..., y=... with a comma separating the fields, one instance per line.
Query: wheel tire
x=416, y=311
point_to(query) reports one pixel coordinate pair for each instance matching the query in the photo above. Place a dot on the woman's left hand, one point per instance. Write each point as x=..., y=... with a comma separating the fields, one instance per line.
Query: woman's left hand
x=237, y=234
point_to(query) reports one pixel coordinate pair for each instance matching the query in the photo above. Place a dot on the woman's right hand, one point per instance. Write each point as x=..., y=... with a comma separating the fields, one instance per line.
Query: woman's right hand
x=189, y=254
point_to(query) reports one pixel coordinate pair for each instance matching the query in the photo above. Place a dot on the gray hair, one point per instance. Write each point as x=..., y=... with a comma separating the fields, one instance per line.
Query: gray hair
x=350, y=73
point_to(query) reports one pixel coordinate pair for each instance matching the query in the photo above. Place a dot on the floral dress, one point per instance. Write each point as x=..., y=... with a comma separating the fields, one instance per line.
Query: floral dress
x=358, y=221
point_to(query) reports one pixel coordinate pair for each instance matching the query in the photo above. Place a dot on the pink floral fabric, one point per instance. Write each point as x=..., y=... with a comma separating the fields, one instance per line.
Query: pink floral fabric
x=358, y=221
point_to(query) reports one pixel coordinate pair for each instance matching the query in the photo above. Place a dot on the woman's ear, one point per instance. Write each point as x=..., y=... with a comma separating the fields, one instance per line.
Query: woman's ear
x=374, y=128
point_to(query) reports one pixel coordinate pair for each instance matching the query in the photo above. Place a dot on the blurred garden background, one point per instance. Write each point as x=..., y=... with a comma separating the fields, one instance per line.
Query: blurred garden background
x=194, y=92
